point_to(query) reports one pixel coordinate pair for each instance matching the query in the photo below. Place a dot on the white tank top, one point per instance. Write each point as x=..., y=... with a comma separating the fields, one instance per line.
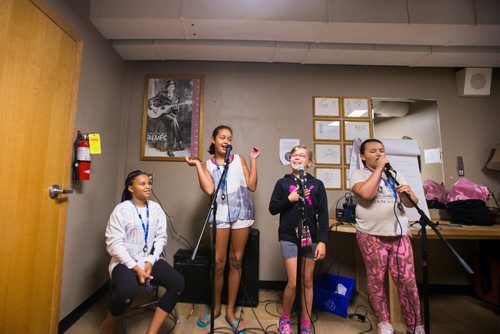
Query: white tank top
x=233, y=199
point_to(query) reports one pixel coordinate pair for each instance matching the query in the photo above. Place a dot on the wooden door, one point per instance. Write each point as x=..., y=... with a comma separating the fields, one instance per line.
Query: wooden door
x=39, y=73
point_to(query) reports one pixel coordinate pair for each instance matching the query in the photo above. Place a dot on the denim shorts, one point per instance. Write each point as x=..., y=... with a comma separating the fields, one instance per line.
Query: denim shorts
x=289, y=250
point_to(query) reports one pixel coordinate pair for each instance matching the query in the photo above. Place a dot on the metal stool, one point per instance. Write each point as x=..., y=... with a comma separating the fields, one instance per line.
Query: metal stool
x=152, y=297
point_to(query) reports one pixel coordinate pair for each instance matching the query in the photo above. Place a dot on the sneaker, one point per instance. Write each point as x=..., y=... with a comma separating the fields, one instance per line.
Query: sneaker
x=417, y=330
x=284, y=326
x=385, y=328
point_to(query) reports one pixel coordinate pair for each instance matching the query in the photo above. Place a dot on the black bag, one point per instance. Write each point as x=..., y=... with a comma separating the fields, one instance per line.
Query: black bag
x=469, y=212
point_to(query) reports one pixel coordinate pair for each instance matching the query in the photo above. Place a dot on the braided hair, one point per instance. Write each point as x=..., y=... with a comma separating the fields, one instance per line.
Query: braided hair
x=126, y=195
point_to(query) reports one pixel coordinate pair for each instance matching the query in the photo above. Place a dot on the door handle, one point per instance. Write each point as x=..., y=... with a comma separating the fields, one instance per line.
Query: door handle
x=55, y=191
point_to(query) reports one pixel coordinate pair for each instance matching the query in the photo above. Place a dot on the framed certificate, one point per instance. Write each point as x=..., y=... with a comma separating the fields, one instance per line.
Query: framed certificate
x=347, y=184
x=325, y=153
x=356, y=107
x=331, y=177
x=357, y=129
x=347, y=153
x=326, y=106
x=327, y=130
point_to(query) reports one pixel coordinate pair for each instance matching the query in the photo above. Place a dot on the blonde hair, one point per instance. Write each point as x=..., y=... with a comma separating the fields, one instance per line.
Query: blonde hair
x=298, y=147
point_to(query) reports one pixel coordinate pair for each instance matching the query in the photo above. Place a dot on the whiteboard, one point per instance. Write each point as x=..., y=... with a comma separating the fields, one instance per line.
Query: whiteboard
x=402, y=154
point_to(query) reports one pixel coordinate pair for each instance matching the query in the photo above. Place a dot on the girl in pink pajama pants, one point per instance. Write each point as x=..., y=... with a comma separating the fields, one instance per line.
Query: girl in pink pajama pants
x=383, y=236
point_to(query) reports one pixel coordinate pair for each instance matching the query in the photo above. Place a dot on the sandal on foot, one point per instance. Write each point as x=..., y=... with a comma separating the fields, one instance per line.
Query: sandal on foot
x=234, y=327
x=204, y=319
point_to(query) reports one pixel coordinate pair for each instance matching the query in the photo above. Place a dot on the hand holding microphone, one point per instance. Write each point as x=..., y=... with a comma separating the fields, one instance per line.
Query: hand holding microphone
x=388, y=168
x=382, y=161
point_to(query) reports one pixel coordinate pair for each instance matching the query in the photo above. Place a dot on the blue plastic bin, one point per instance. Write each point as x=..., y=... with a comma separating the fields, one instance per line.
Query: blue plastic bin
x=326, y=297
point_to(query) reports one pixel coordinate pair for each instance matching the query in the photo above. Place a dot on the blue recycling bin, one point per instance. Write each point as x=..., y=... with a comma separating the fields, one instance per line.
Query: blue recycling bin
x=326, y=296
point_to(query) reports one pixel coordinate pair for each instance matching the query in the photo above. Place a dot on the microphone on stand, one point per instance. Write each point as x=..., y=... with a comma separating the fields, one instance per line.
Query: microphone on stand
x=302, y=183
x=229, y=148
x=388, y=167
x=301, y=172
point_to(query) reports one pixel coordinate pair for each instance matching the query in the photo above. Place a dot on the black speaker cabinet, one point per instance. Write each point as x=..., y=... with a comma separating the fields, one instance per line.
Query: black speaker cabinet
x=248, y=294
x=196, y=273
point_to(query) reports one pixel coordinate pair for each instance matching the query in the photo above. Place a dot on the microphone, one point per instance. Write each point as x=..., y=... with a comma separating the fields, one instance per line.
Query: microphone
x=229, y=148
x=388, y=167
x=301, y=172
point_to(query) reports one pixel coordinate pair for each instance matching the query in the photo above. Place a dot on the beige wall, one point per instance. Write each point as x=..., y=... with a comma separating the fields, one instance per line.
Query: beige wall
x=266, y=102
x=263, y=103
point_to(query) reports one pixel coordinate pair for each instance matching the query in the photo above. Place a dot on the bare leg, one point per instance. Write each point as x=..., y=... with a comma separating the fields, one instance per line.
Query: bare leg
x=289, y=293
x=220, y=263
x=108, y=324
x=239, y=239
x=307, y=288
x=157, y=321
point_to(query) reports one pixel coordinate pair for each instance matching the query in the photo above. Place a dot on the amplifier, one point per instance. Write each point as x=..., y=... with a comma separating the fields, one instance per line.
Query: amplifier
x=248, y=294
x=196, y=273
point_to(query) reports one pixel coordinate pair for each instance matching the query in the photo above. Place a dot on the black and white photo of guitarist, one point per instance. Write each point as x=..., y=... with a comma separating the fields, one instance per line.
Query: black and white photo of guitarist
x=162, y=113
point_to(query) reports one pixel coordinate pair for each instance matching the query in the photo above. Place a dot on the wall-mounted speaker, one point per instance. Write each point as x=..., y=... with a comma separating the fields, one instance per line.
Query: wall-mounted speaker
x=474, y=81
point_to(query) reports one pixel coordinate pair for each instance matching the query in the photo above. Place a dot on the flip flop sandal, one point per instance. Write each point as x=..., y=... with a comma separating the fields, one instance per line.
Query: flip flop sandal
x=234, y=327
x=204, y=320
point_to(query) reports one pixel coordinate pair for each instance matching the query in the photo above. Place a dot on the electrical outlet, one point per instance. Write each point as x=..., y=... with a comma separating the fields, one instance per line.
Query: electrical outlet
x=460, y=166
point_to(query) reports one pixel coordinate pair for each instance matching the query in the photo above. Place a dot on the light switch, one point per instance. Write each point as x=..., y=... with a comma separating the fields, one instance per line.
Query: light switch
x=460, y=166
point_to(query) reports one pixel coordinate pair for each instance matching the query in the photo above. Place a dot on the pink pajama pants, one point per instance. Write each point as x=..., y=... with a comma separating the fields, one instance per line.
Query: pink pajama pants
x=378, y=252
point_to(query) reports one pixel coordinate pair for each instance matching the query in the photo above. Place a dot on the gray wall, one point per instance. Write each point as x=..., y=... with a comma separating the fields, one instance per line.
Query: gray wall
x=262, y=102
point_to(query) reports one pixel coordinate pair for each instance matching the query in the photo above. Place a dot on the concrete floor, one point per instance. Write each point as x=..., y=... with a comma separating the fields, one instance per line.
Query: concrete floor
x=449, y=314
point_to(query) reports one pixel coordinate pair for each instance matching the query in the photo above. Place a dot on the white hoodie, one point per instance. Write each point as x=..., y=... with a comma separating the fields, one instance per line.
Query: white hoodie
x=125, y=235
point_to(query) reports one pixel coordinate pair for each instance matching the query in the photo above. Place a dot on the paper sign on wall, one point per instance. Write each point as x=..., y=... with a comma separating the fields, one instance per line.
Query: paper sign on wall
x=95, y=143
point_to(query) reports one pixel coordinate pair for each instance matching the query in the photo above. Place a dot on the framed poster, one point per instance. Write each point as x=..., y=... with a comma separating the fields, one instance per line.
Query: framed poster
x=326, y=106
x=356, y=107
x=331, y=177
x=172, y=117
x=326, y=153
x=327, y=130
x=357, y=129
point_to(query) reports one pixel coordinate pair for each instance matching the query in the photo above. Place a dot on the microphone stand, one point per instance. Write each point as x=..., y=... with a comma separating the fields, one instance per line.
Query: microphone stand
x=298, y=277
x=424, y=222
x=212, y=210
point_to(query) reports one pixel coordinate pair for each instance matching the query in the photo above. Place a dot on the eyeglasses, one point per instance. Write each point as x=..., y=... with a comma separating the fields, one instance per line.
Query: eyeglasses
x=299, y=155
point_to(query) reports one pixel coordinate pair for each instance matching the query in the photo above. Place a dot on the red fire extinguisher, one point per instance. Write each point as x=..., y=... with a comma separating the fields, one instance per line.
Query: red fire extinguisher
x=82, y=157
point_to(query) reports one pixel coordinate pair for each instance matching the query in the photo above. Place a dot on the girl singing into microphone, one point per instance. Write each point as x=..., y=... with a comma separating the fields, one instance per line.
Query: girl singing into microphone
x=285, y=201
x=235, y=215
x=383, y=236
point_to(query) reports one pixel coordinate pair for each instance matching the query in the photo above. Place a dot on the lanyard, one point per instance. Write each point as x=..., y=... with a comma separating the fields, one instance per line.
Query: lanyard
x=391, y=187
x=223, y=185
x=145, y=227
x=389, y=183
